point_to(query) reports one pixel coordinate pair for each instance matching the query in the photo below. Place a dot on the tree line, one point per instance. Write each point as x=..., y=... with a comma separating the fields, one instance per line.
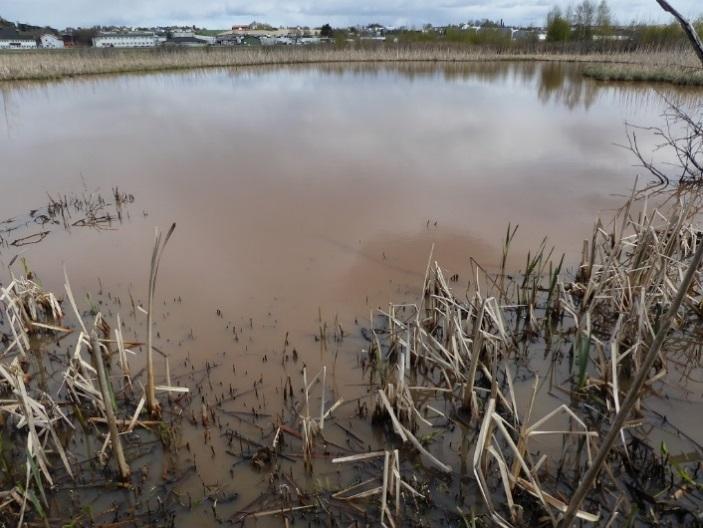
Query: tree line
x=588, y=20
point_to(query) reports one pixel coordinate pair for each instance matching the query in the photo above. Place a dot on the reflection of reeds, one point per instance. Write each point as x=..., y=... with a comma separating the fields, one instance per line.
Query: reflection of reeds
x=59, y=63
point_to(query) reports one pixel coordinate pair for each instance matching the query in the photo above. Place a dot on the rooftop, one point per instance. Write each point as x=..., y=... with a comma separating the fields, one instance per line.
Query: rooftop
x=11, y=34
x=187, y=40
x=126, y=34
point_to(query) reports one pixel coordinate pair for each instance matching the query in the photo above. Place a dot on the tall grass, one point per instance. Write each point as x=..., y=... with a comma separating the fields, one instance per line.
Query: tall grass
x=668, y=73
x=53, y=64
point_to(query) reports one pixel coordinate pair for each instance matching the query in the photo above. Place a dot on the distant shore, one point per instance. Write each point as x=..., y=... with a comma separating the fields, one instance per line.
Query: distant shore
x=677, y=67
x=660, y=73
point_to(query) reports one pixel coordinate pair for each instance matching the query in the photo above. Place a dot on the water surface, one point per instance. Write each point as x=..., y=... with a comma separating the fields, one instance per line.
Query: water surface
x=303, y=192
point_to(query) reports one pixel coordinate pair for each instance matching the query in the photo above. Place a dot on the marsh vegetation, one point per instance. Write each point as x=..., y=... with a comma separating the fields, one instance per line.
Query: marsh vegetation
x=648, y=62
x=337, y=375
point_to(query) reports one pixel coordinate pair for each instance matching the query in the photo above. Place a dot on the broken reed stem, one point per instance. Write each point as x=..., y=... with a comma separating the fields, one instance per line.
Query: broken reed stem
x=633, y=394
x=109, y=411
x=476, y=344
x=322, y=399
x=384, y=492
x=151, y=402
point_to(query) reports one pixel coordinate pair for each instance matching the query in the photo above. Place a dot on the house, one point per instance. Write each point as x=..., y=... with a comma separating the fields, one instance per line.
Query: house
x=11, y=39
x=181, y=33
x=256, y=30
x=69, y=41
x=48, y=40
x=525, y=34
x=284, y=41
x=317, y=40
x=228, y=39
x=189, y=42
x=261, y=30
x=204, y=39
x=250, y=40
x=125, y=40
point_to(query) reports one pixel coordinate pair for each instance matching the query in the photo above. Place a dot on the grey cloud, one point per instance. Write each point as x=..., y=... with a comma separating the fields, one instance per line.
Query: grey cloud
x=224, y=13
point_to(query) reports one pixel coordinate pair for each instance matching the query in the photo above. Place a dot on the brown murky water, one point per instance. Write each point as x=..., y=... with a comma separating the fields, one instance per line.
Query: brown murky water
x=295, y=189
x=307, y=191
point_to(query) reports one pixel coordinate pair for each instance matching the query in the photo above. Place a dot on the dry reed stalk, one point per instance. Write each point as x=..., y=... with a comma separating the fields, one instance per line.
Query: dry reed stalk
x=151, y=401
x=40, y=421
x=114, y=435
x=55, y=64
x=633, y=393
x=629, y=268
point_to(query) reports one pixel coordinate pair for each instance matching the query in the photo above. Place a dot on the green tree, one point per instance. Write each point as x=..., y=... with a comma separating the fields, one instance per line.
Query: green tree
x=326, y=31
x=340, y=38
x=558, y=28
x=85, y=36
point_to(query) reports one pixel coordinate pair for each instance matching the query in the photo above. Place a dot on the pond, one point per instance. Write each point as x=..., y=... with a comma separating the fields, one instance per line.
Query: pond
x=299, y=188
x=308, y=195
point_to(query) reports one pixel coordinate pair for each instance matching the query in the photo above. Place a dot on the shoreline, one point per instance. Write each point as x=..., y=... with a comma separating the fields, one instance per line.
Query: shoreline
x=53, y=65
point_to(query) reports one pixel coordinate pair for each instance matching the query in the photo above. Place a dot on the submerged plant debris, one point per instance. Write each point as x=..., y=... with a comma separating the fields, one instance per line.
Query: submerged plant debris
x=88, y=209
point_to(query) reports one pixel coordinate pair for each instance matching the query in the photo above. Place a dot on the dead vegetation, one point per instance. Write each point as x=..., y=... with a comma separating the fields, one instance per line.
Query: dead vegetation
x=87, y=209
x=525, y=385
x=64, y=419
x=37, y=65
x=445, y=390
x=597, y=329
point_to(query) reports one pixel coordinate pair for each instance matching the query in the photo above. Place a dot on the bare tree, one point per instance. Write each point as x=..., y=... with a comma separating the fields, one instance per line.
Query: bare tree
x=682, y=137
x=687, y=27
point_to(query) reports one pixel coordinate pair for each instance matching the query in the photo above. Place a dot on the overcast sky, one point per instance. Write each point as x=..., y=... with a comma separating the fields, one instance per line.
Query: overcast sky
x=225, y=13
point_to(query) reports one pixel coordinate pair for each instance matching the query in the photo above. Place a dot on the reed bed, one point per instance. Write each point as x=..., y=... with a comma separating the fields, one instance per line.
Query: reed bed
x=673, y=74
x=608, y=337
x=54, y=64
x=444, y=380
x=442, y=370
x=53, y=409
x=596, y=328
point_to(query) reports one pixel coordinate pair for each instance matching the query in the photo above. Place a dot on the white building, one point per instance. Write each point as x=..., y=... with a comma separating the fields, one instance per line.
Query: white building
x=125, y=40
x=182, y=34
x=284, y=41
x=47, y=40
x=10, y=39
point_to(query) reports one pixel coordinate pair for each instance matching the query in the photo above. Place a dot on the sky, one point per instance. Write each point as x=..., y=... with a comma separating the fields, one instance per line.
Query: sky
x=219, y=14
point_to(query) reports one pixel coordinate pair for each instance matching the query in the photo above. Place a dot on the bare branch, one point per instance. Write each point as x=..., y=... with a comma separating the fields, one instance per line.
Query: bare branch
x=687, y=27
